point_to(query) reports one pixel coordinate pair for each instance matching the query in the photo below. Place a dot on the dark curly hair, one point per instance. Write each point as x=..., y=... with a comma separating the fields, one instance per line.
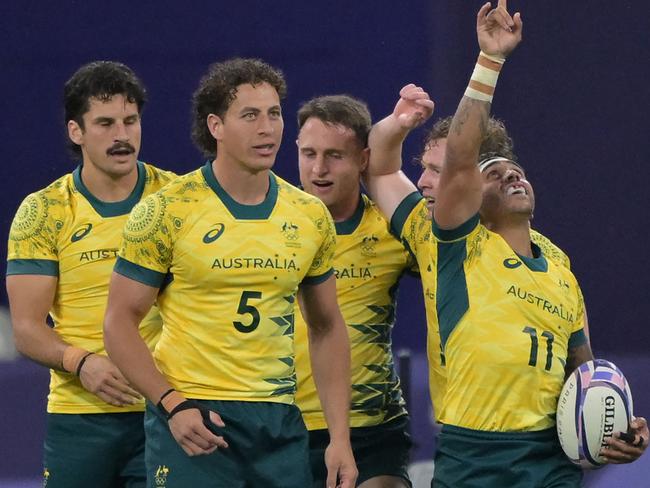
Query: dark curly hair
x=218, y=88
x=100, y=80
x=339, y=110
x=496, y=141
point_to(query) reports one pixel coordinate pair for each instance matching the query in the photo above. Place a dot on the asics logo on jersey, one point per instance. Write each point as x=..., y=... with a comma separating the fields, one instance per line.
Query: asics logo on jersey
x=214, y=233
x=81, y=232
x=511, y=263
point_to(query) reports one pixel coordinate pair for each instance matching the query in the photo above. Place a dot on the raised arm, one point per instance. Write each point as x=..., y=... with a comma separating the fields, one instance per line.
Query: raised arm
x=460, y=192
x=329, y=349
x=386, y=184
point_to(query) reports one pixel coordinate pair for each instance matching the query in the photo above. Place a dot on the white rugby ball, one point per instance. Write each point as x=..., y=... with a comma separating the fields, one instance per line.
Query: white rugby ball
x=595, y=402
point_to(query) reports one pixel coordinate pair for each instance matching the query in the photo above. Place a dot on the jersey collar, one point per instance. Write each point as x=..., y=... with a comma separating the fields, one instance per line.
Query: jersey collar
x=537, y=262
x=348, y=226
x=111, y=209
x=240, y=211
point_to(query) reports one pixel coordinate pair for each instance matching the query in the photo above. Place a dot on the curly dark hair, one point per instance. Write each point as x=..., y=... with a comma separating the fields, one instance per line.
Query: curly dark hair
x=218, y=88
x=100, y=80
x=342, y=110
x=496, y=141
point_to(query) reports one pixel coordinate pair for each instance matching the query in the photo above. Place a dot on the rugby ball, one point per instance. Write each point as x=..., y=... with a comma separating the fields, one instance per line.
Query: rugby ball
x=595, y=402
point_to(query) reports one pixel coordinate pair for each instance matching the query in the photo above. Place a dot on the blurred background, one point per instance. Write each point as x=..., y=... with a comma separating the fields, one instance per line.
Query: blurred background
x=574, y=96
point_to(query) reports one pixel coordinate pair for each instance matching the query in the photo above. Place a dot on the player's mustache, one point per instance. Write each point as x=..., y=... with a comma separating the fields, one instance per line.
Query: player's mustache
x=119, y=147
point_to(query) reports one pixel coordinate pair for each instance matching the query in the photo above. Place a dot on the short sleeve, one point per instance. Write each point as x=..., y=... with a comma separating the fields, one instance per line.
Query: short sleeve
x=32, y=245
x=322, y=265
x=147, y=245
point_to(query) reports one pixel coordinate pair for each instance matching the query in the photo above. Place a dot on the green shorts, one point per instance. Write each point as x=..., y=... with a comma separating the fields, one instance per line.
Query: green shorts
x=98, y=450
x=380, y=450
x=469, y=458
x=267, y=448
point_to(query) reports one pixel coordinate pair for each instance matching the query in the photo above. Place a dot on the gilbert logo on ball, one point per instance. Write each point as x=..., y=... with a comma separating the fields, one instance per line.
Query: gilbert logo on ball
x=595, y=402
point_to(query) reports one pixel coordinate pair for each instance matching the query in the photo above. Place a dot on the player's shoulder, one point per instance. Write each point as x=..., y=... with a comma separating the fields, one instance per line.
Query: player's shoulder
x=45, y=210
x=178, y=196
x=550, y=249
x=371, y=209
x=156, y=177
x=298, y=198
x=185, y=188
x=373, y=219
x=52, y=199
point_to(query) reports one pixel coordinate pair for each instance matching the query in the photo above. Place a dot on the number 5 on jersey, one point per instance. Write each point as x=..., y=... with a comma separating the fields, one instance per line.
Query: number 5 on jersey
x=245, y=308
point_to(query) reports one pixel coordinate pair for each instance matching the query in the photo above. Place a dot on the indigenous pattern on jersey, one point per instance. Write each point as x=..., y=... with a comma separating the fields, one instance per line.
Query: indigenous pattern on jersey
x=368, y=263
x=229, y=275
x=506, y=324
x=411, y=222
x=64, y=231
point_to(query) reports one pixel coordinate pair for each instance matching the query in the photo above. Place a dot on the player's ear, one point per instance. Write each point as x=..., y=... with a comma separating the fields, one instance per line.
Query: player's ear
x=215, y=126
x=365, y=157
x=75, y=132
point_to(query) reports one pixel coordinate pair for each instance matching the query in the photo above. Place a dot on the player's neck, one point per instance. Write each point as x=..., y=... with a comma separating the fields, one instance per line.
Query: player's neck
x=243, y=186
x=344, y=209
x=516, y=235
x=108, y=188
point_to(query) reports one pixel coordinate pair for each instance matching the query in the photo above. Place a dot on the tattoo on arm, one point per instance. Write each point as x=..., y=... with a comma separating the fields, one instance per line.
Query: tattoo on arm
x=467, y=110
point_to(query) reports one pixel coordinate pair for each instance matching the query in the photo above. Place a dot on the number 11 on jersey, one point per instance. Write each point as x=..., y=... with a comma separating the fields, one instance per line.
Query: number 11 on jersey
x=534, y=346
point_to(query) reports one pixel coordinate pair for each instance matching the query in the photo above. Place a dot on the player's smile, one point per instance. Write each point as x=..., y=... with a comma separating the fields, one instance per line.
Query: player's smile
x=516, y=188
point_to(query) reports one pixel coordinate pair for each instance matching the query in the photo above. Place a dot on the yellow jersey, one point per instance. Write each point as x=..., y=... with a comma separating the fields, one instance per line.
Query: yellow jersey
x=506, y=323
x=64, y=231
x=368, y=263
x=228, y=276
x=413, y=225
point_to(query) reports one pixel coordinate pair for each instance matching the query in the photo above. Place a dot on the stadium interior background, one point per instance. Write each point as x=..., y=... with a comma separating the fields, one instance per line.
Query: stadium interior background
x=574, y=96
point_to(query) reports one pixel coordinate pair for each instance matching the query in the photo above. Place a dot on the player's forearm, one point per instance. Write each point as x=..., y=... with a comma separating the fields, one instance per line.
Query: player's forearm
x=130, y=354
x=39, y=342
x=30, y=300
x=330, y=358
x=385, y=143
x=467, y=131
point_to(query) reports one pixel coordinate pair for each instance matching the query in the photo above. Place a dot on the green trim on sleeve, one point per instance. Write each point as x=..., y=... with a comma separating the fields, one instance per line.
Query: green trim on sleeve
x=139, y=273
x=452, y=297
x=578, y=338
x=402, y=212
x=448, y=235
x=316, y=280
x=46, y=267
x=112, y=209
x=240, y=211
